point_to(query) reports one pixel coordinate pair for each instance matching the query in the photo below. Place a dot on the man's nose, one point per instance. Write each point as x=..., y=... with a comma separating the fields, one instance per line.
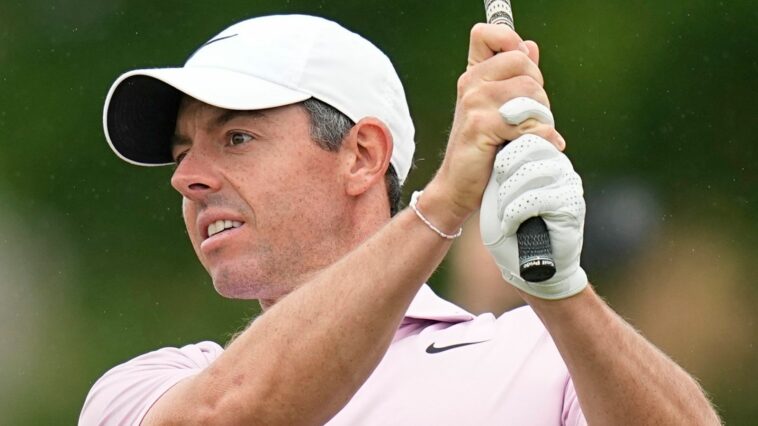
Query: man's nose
x=196, y=176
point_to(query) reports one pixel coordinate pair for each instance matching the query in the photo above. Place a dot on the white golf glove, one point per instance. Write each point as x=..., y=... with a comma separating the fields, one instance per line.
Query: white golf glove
x=532, y=178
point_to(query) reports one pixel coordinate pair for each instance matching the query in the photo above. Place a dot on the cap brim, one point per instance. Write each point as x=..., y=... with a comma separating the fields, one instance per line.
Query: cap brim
x=140, y=111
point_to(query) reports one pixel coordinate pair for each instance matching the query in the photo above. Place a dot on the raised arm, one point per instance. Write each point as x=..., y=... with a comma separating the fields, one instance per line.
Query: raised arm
x=620, y=378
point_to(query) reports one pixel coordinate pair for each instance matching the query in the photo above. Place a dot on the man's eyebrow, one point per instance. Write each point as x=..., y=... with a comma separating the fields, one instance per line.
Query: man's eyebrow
x=231, y=114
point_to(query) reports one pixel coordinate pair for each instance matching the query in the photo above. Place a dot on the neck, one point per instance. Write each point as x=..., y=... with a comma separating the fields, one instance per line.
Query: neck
x=367, y=215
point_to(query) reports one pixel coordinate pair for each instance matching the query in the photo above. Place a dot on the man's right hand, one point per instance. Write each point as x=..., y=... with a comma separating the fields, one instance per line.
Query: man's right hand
x=501, y=67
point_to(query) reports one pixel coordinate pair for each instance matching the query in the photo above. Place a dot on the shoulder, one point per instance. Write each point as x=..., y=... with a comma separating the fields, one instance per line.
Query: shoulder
x=522, y=313
x=523, y=319
x=521, y=331
x=125, y=393
x=519, y=324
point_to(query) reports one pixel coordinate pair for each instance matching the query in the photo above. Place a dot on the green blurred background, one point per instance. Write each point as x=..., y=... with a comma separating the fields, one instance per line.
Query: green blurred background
x=657, y=101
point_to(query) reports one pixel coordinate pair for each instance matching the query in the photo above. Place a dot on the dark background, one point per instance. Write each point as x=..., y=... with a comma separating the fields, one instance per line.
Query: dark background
x=656, y=100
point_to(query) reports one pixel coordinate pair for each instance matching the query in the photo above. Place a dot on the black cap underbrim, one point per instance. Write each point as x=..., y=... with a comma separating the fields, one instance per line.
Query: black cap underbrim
x=140, y=119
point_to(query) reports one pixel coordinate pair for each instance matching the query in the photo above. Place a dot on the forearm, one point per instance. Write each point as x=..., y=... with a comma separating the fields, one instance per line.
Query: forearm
x=620, y=377
x=305, y=357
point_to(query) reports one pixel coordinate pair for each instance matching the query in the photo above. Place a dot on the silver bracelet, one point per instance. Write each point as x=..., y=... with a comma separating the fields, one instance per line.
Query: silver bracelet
x=414, y=201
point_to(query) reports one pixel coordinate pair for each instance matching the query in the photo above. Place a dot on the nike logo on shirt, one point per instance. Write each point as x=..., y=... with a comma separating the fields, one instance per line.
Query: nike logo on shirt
x=431, y=349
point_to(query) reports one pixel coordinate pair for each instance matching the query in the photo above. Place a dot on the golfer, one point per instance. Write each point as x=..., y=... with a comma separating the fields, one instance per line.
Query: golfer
x=291, y=138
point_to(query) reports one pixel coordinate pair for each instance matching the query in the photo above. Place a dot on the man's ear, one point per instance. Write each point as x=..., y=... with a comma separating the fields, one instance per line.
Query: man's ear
x=367, y=150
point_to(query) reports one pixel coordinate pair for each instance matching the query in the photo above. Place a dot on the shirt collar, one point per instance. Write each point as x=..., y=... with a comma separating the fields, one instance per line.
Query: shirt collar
x=428, y=306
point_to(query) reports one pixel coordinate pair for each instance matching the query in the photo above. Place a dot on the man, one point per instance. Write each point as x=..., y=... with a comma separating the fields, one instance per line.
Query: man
x=291, y=136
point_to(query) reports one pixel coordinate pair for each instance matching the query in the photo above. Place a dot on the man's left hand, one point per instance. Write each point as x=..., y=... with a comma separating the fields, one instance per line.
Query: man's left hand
x=532, y=178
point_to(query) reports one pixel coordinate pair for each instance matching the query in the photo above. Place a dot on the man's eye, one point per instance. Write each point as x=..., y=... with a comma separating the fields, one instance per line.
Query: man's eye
x=237, y=138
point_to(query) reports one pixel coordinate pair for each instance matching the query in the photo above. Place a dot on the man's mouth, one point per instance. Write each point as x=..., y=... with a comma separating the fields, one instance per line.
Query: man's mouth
x=221, y=226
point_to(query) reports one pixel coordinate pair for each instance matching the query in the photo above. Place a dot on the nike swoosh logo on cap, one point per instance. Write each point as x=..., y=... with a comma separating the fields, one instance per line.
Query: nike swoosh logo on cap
x=210, y=42
x=431, y=349
x=217, y=39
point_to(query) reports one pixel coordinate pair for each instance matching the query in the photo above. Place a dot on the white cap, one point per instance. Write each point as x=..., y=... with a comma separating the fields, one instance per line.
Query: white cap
x=256, y=64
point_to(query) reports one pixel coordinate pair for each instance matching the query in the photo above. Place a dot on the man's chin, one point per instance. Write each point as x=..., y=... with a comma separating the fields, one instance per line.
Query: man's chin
x=234, y=291
x=246, y=289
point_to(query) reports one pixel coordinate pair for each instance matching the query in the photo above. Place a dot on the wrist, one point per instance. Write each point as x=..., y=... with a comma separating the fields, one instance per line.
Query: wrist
x=561, y=311
x=547, y=303
x=566, y=288
x=414, y=206
x=437, y=207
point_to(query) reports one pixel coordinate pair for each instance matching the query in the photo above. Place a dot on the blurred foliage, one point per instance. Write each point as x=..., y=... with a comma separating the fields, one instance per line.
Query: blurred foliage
x=96, y=267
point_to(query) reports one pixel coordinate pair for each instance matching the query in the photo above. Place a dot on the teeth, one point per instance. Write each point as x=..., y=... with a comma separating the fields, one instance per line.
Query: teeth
x=220, y=225
x=215, y=227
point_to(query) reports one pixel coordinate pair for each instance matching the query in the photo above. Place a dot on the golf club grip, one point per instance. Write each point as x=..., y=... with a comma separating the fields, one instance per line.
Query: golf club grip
x=536, y=262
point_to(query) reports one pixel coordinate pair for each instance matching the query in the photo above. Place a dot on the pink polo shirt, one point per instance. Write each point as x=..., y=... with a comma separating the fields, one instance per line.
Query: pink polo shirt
x=444, y=367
